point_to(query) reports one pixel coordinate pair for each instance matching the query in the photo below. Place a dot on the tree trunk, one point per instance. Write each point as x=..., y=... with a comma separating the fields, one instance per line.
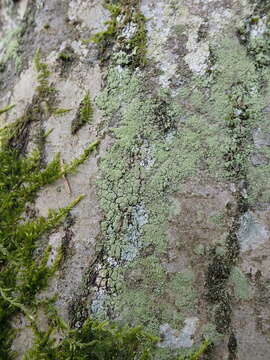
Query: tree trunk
x=173, y=231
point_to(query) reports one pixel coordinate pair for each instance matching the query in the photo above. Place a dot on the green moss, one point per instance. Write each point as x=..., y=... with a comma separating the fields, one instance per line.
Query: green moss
x=23, y=272
x=6, y=109
x=84, y=114
x=197, y=354
x=65, y=56
x=44, y=89
x=124, y=15
x=68, y=168
x=111, y=31
x=42, y=105
x=95, y=340
x=258, y=45
x=11, y=44
x=66, y=59
x=60, y=112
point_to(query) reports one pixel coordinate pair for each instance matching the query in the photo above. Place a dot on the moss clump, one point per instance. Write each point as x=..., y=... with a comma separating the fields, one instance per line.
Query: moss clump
x=66, y=59
x=44, y=89
x=65, y=56
x=204, y=349
x=17, y=133
x=255, y=35
x=11, y=43
x=96, y=341
x=110, y=33
x=84, y=114
x=125, y=37
x=23, y=272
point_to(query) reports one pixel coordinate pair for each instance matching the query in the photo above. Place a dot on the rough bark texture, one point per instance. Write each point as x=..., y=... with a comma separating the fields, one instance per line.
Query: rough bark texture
x=173, y=232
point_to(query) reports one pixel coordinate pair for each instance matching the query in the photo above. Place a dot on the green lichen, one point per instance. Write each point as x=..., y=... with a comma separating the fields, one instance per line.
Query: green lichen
x=183, y=283
x=254, y=35
x=160, y=142
x=132, y=192
x=240, y=283
x=199, y=250
x=211, y=134
x=236, y=104
x=232, y=111
x=210, y=332
x=199, y=352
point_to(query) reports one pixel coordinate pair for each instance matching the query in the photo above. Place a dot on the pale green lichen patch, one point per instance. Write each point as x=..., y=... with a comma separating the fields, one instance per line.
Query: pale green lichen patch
x=204, y=134
x=177, y=138
x=240, y=283
x=236, y=91
x=183, y=283
x=135, y=227
x=252, y=233
x=175, y=339
x=210, y=332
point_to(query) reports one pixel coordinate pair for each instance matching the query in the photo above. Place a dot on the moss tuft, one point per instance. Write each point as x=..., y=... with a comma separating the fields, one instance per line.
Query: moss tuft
x=84, y=114
x=60, y=112
x=11, y=43
x=6, y=109
x=24, y=273
x=125, y=38
x=66, y=59
x=204, y=349
x=44, y=89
